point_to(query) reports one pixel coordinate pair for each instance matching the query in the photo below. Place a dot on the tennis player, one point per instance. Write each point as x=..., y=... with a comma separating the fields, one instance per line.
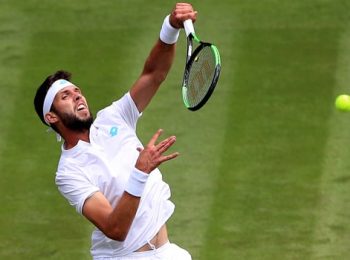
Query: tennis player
x=104, y=170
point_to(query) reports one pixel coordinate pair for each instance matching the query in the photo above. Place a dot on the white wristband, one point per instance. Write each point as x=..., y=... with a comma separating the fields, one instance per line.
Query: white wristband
x=136, y=183
x=168, y=34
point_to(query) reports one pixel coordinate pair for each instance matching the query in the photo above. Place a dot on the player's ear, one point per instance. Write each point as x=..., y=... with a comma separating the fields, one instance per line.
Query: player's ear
x=51, y=118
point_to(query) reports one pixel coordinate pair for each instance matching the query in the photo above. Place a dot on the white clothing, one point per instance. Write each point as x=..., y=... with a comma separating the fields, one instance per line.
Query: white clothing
x=168, y=251
x=105, y=165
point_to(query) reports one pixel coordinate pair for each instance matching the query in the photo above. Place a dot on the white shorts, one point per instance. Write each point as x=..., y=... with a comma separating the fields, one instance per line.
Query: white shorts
x=168, y=251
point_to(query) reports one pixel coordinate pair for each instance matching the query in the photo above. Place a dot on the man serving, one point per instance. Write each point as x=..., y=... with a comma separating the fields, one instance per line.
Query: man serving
x=104, y=170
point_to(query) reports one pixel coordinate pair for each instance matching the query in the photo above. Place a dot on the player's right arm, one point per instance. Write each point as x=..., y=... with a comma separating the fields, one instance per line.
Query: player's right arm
x=115, y=222
x=159, y=61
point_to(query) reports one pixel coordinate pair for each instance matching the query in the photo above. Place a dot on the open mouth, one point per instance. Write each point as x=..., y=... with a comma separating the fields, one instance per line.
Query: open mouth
x=81, y=107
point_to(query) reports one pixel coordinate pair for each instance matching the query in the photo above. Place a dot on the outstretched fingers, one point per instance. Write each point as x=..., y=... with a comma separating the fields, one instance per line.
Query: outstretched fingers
x=153, y=154
x=155, y=137
x=164, y=145
x=171, y=156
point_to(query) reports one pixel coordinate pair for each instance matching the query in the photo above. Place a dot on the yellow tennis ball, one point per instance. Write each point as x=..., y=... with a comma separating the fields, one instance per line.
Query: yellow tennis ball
x=342, y=102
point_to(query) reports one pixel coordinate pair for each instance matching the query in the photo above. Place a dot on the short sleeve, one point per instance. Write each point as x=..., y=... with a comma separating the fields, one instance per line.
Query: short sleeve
x=76, y=188
x=123, y=110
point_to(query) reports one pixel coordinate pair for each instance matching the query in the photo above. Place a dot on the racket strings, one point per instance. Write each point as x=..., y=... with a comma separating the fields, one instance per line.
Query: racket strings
x=200, y=76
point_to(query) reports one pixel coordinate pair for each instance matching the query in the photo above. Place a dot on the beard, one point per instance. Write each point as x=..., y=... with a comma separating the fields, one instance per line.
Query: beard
x=75, y=123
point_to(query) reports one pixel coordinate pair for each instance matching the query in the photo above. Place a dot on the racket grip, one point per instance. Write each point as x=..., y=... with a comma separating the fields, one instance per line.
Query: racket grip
x=188, y=25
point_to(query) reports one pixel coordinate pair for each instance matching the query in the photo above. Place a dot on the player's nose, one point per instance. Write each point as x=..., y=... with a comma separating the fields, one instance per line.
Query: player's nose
x=77, y=96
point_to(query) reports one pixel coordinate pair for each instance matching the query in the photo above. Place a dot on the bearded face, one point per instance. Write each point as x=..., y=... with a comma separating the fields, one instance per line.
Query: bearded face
x=71, y=110
x=75, y=123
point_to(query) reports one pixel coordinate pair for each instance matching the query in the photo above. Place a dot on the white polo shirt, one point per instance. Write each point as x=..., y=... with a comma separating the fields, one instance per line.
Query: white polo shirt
x=105, y=165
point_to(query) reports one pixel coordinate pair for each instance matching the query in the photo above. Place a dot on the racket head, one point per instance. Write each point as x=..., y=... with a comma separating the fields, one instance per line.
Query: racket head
x=201, y=75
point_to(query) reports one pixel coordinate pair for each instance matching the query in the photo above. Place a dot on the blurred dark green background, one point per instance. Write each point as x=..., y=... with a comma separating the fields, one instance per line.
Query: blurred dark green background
x=264, y=166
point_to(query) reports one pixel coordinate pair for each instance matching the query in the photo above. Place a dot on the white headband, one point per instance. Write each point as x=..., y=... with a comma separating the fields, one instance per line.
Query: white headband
x=51, y=93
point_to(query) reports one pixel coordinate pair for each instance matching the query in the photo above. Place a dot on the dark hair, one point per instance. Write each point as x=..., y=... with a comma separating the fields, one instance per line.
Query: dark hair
x=44, y=87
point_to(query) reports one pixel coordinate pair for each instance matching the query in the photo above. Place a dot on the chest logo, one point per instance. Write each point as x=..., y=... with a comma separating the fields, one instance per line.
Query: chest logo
x=113, y=131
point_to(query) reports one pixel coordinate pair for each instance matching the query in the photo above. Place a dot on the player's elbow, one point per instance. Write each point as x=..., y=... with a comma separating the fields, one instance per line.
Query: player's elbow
x=161, y=77
x=157, y=78
x=118, y=237
x=116, y=234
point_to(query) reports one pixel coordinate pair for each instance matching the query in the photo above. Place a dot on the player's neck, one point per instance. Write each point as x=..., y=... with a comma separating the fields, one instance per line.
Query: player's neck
x=71, y=139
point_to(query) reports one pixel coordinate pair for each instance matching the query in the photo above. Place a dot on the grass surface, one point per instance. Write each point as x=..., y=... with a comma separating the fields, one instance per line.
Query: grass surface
x=264, y=169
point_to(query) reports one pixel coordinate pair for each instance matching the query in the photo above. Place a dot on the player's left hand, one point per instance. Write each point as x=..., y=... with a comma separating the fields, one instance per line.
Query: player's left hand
x=153, y=154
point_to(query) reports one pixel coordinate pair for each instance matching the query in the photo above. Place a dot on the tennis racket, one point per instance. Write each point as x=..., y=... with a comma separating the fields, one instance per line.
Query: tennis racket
x=202, y=70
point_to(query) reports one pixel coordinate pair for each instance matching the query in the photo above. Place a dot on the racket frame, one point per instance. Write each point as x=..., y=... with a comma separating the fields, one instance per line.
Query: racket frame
x=190, y=58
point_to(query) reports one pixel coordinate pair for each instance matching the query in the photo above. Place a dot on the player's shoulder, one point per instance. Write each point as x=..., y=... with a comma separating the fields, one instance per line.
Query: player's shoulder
x=113, y=107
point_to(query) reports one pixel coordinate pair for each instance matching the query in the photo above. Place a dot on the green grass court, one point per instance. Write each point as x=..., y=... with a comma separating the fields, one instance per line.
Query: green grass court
x=264, y=171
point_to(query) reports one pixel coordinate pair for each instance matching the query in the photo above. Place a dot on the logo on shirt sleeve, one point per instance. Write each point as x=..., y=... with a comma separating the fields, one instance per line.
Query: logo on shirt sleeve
x=113, y=131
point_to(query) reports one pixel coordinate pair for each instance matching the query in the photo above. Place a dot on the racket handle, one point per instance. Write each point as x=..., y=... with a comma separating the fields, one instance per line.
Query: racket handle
x=188, y=25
